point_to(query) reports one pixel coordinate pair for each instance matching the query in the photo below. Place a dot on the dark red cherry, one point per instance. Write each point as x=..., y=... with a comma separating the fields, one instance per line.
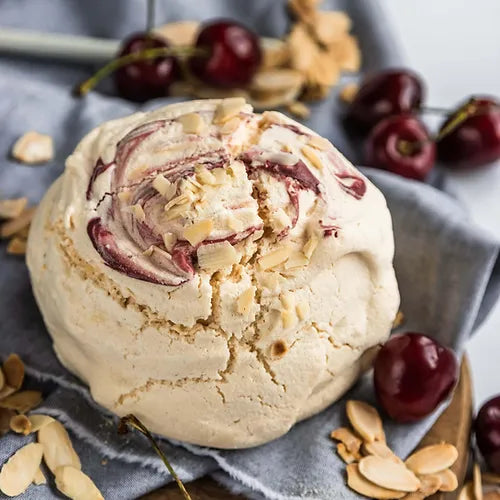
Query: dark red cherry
x=475, y=141
x=390, y=92
x=487, y=429
x=413, y=373
x=402, y=145
x=148, y=79
x=233, y=54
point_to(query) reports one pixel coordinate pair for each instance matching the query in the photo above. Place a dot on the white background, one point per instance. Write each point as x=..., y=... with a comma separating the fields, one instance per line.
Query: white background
x=455, y=46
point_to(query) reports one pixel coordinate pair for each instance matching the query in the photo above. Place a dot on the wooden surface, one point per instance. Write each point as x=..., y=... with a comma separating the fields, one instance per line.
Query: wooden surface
x=453, y=426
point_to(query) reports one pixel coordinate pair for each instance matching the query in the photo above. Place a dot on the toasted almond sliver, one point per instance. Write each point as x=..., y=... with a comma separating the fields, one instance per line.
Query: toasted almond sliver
x=164, y=186
x=9, y=209
x=430, y=484
x=19, y=471
x=346, y=436
x=6, y=390
x=303, y=309
x=311, y=155
x=20, y=424
x=347, y=456
x=217, y=256
x=17, y=246
x=365, y=420
x=13, y=369
x=449, y=481
x=274, y=52
x=38, y=421
x=388, y=474
x=288, y=318
x=348, y=92
x=39, y=478
x=228, y=108
x=76, y=485
x=432, y=459
x=380, y=449
x=230, y=126
x=245, y=301
x=22, y=401
x=274, y=258
x=33, y=147
x=13, y=226
x=276, y=80
x=359, y=484
x=310, y=246
x=491, y=478
x=287, y=300
x=331, y=25
x=477, y=482
x=198, y=232
x=467, y=492
x=318, y=142
x=192, y=123
x=169, y=240
x=57, y=448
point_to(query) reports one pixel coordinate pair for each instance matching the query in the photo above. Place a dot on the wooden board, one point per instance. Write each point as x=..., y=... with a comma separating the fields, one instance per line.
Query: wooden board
x=453, y=426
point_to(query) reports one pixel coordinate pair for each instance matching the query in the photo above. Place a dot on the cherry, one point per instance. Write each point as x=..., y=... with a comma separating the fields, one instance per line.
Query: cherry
x=148, y=78
x=413, y=374
x=487, y=428
x=233, y=57
x=402, y=145
x=476, y=140
x=383, y=94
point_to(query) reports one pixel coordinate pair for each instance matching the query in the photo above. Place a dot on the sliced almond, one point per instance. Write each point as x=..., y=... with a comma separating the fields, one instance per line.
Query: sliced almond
x=230, y=126
x=270, y=100
x=299, y=109
x=274, y=52
x=169, y=240
x=229, y=108
x=76, y=485
x=204, y=176
x=125, y=196
x=477, y=482
x=245, y=301
x=348, y=438
x=5, y=416
x=23, y=401
x=380, y=449
x=367, y=359
x=296, y=260
x=303, y=309
x=192, y=123
x=330, y=25
x=198, y=232
x=138, y=212
x=9, y=209
x=310, y=246
x=17, y=246
x=287, y=300
x=365, y=420
x=39, y=478
x=347, y=456
x=348, y=92
x=38, y=421
x=361, y=485
x=217, y=256
x=467, y=492
x=33, y=148
x=164, y=186
x=302, y=48
x=274, y=258
x=6, y=390
x=347, y=53
x=313, y=158
x=19, y=471
x=388, y=474
x=13, y=369
x=430, y=484
x=20, y=424
x=288, y=318
x=432, y=459
x=13, y=226
x=318, y=142
x=2, y=379
x=276, y=80
x=449, y=481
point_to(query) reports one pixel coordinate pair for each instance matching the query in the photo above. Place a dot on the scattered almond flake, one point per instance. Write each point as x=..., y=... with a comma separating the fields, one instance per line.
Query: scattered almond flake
x=287, y=300
x=269, y=100
x=217, y=256
x=491, y=478
x=20, y=424
x=432, y=459
x=138, y=212
x=204, y=176
x=235, y=224
x=169, y=240
x=299, y=109
x=198, y=232
x=325, y=70
x=282, y=158
x=279, y=349
x=270, y=280
x=296, y=260
x=5, y=416
x=245, y=301
x=449, y=481
x=388, y=474
x=347, y=54
x=230, y=126
x=360, y=485
x=310, y=246
x=39, y=478
x=192, y=123
x=57, y=448
x=302, y=47
x=149, y=251
x=348, y=438
x=179, y=32
x=13, y=369
x=380, y=449
x=6, y=390
x=347, y=456
x=182, y=199
x=330, y=26
x=274, y=258
x=75, y=484
x=9, y=209
x=312, y=157
x=348, y=92
x=398, y=320
x=467, y=492
x=288, y=318
x=429, y=484
x=2, y=379
x=318, y=142
x=38, y=421
x=33, y=147
x=302, y=309
x=274, y=52
x=13, y=226
x=177, y=211
x=228, y=108
x=276, y=80
x=477, y=482
x=22, y=401
x=125, y=196
x=164, y=186
x=19, y=471
x=417, y=495
x=365, y=420
x=17, y=246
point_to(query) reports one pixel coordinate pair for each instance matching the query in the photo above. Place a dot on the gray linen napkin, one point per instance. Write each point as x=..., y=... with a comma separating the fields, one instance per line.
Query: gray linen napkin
x=447, y=268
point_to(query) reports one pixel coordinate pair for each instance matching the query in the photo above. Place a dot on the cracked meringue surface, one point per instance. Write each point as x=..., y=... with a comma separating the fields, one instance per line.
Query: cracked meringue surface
x=216, y=272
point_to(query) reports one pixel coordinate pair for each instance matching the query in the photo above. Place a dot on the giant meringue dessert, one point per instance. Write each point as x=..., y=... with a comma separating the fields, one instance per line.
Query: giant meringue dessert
x=216, y=272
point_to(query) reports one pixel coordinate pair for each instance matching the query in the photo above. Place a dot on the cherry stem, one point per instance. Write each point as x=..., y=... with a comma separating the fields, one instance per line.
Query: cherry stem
x=144, y=55
x=134, y=422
